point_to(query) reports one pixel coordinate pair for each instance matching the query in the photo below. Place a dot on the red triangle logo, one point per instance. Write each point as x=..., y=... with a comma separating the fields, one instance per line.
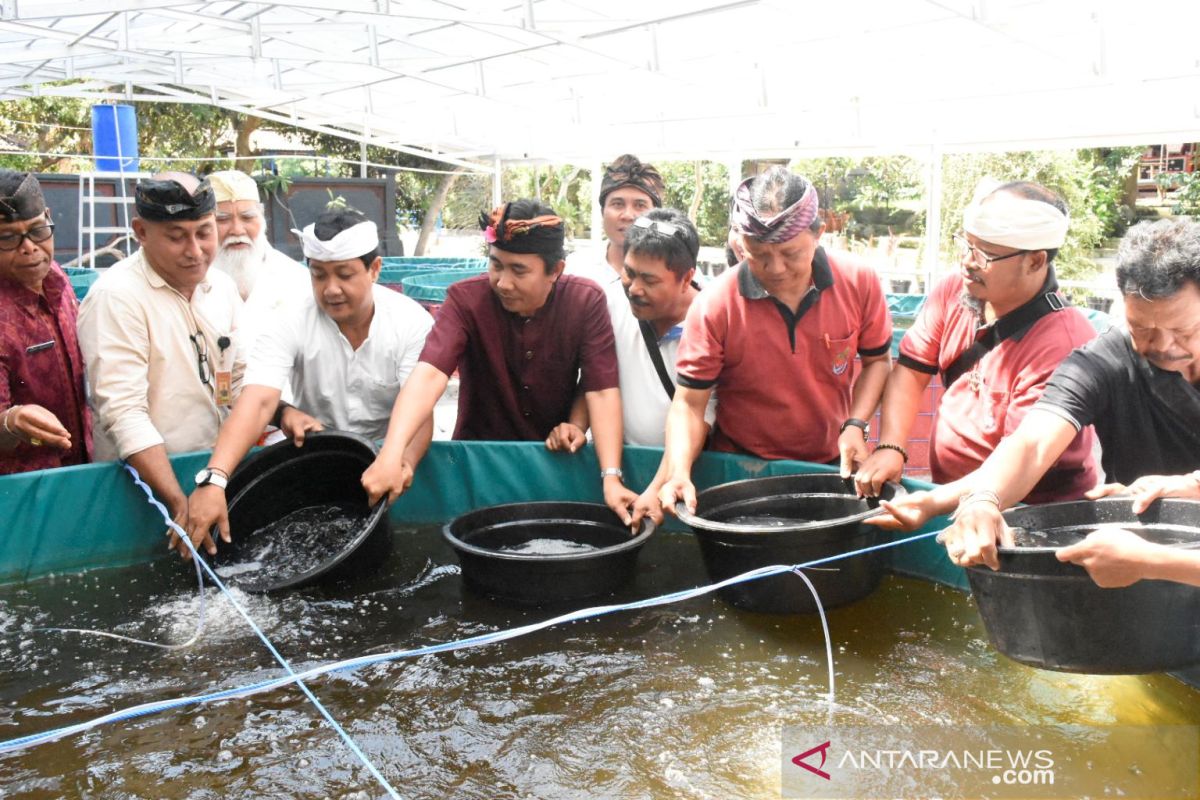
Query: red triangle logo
x=799, y=761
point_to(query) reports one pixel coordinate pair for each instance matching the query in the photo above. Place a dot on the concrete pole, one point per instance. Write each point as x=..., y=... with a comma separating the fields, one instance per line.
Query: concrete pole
x=497, y=182
x=933, y=216
x=597, y=212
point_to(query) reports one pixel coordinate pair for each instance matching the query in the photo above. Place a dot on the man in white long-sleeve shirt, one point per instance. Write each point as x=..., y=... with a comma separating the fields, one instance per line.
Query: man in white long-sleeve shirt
x=159, y=337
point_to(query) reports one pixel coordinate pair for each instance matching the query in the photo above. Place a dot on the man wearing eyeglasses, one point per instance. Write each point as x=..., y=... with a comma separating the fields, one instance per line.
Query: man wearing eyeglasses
x=1138, y=386
x=995, y=329
x=44, y=418
x=159, y=332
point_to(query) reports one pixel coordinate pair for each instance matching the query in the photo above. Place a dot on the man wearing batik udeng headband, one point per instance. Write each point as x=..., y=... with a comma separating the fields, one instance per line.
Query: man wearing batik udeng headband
x=995, y=329
x=525, y=339
x=628, y=189
x=159, y=333
x=776, y=337
x=44, y=418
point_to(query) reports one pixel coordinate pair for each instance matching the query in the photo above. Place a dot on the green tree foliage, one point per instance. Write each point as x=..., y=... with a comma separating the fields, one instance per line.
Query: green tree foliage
x=701, y=190
x=879, y=192
x=45, y=125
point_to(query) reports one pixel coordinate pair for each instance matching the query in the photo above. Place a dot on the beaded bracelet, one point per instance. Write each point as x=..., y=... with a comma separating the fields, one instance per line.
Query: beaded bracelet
x=885, y=446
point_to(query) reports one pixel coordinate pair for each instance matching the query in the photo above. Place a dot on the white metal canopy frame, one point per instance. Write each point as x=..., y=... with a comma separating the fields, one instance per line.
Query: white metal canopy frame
x=471, y=83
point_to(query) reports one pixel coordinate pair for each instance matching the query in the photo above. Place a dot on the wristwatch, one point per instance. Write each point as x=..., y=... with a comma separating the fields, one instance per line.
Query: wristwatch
x=857, y=423
x=208, y=475
x=613, y=471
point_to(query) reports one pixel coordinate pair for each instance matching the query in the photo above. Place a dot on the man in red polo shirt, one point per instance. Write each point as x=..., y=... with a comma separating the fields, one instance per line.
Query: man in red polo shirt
x=525, y=340
x=777, y=337
x=995, y=329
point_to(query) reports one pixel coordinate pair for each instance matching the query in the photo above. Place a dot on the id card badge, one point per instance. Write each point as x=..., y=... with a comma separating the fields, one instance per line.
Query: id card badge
x=224, y=375
x=224, y=379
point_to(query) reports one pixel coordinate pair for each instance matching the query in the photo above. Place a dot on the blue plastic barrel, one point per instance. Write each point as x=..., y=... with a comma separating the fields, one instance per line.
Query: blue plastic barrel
x=114, y=138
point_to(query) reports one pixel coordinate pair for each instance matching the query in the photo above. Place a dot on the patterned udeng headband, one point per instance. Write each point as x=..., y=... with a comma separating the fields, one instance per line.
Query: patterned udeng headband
x=779, y=228
x=537, y=235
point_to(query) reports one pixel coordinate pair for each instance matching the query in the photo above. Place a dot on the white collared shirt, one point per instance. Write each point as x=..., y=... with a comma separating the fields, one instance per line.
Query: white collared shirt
x=347, y=389
x=280, y=284
x=143, y=367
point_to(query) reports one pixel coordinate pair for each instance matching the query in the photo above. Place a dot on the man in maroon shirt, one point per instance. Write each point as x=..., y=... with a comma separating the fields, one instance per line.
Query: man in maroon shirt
x=525, y=339
x=44, y=418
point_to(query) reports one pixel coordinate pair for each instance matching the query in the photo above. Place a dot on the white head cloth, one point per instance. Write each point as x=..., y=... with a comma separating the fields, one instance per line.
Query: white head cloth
x=1007, y=219
x=354, y=242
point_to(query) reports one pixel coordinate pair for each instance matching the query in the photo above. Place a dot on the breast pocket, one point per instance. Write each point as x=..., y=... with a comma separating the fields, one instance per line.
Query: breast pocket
x=995, y=412
x=836, y=356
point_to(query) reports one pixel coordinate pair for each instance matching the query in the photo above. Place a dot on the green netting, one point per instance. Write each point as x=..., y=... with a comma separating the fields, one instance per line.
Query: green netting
x=394, y=275
x=905, y=305
x=431, y=287
x=90, y=516
x=81, y=280
x=419, y=261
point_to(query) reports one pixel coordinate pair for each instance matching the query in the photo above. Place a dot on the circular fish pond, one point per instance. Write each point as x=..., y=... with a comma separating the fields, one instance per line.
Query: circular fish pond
x=300, y=515
x=788, y=519
x=1049, y=614
x=546, y=552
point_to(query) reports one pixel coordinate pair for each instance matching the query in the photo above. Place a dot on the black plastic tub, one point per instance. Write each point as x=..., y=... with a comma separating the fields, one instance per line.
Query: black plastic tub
x=788, y=519
x=282, y=480
x=1044, y=613
x=485, y=541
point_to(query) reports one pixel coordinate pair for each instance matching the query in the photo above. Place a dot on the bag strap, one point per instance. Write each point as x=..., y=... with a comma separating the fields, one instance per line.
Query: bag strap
x=1011, y=324
x=656, y=356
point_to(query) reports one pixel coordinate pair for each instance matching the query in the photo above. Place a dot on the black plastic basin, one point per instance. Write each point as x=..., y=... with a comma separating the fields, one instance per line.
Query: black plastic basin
x=788, y=519
x=281, y=480
x=1044, y=613
x=485, y=539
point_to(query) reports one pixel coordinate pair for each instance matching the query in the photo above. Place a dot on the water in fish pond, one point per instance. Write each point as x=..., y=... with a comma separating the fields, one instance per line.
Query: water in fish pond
x=685, y=700
x=295, y=544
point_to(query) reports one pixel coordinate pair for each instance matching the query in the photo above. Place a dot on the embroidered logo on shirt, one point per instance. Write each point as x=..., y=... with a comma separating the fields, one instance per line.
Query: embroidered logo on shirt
x=841, y=361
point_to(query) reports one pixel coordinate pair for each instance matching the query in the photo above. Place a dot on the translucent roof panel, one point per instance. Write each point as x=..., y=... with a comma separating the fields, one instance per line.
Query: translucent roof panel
x=470, y=81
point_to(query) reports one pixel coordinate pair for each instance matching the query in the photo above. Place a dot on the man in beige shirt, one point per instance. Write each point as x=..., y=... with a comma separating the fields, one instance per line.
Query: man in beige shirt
x=159, y=337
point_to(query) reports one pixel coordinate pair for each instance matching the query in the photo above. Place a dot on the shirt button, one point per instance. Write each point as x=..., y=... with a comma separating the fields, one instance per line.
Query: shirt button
x=528, y=355
x=527, y=413
x=525, y=387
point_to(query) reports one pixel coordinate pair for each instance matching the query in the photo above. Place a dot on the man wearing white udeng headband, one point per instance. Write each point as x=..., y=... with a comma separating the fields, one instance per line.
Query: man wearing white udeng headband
x=995, y=329
x=345, y=353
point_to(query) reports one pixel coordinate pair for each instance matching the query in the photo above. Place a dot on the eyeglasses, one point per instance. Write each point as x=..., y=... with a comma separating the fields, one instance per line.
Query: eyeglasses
x=977, y=256
x=202, y=364
x=655, y=226
x=39, y=233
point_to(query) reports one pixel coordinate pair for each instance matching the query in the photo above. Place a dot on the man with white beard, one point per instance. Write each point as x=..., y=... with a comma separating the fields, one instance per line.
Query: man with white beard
x=266, y=279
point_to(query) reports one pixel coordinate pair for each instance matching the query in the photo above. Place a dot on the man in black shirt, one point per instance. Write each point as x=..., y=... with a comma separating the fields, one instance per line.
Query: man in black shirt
x=1137, y=387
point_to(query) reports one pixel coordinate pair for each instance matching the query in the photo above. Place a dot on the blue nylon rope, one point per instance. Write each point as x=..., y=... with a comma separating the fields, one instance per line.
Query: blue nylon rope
x=293, y=678
x=441, y=647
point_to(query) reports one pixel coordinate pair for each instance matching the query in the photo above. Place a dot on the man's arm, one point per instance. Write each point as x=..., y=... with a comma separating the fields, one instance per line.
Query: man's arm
x=155, y=469
x=208, y=505
x=1008, y=475
x=604, y=409
x=864, y=399
x=411, y=413
x=901, y=399
x=685, y=434
x=1116, y=558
